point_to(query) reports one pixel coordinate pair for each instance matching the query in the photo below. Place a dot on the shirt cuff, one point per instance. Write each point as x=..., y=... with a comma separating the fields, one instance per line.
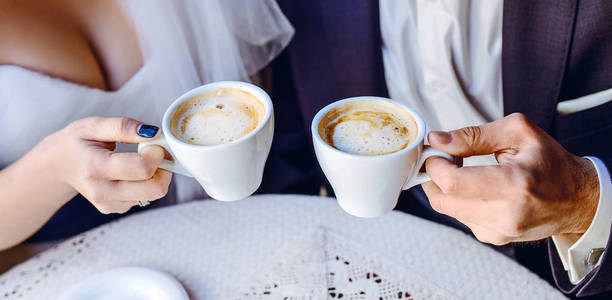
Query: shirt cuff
x=577, y=251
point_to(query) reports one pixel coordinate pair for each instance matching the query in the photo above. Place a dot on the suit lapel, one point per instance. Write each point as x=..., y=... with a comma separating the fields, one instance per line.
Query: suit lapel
x=536, y=42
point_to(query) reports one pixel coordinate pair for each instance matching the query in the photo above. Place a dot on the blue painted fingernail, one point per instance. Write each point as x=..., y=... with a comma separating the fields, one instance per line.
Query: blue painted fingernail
x=147, y=131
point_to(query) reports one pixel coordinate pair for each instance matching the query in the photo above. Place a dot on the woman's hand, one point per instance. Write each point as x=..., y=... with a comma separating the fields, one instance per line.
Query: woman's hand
x=82, y=157
x=79, y=159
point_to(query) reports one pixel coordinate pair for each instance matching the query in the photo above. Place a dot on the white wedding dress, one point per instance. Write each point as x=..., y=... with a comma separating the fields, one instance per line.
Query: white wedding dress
x=184, y=44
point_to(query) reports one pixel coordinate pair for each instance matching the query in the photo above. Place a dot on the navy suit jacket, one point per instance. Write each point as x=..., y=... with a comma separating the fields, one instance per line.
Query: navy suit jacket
x=553, y=50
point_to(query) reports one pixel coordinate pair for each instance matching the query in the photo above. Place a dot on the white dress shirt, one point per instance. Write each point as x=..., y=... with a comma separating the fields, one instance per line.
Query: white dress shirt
x=443, y=58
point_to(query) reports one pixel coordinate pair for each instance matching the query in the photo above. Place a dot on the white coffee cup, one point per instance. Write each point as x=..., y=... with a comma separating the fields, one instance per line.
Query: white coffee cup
x=229, y=171
x=369, y=186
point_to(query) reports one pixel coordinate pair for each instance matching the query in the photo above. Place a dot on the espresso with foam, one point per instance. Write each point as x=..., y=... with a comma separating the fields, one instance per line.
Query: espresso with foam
x=216, y=117
x=368, y=127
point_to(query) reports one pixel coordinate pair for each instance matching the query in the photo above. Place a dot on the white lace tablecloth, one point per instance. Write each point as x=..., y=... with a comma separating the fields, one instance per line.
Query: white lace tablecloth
x=277, y=246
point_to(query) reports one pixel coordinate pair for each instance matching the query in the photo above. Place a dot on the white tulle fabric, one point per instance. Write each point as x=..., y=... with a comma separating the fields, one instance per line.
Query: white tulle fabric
x=184, y=44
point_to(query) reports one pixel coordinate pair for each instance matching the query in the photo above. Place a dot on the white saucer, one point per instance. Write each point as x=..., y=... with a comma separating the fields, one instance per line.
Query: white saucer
x=127, y=283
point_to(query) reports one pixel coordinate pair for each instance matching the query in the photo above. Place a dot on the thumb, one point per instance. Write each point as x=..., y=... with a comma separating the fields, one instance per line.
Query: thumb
x=481, y=140
x=464, y=142
x=122, y=130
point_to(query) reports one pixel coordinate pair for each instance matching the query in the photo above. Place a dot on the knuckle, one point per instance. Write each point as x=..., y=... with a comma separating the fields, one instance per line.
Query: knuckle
x=449, y=185
x=142, y=173
x=124, y=209
x=472, y=134
x=150, y=169
x=90, y=169
x=113, y=208
x=520, y=121
x=89, y=174
x=158, y=189
x=123, y=126
x=437, y=204
x=74, y=126
x=518, y=117
x=91, y=123
x=96, y=195
x=479, y=235
x=512, y=229
x=499, y=240
x=103, y=208
x=144, y=169
x=78, y=125
x=490, y=238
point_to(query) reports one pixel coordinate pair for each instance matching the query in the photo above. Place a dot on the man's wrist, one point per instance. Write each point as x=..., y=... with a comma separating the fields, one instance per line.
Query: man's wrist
x=579, y=257
x=587, y=197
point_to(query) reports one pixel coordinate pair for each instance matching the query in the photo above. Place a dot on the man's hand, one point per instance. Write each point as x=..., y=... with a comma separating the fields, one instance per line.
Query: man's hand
x=537, y=190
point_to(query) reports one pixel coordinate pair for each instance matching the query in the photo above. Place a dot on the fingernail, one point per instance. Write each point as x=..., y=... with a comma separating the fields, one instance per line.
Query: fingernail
x=440, y=137
x=147, y=131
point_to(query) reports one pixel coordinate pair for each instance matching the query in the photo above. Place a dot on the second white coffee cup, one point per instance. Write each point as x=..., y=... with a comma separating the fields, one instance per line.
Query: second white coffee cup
x=369, y=186
x=229, y=171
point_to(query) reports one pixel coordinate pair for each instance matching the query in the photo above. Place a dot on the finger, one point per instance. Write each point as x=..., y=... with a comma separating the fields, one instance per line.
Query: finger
x=469, y=212
x=505, y=133
x=145, y=190
x=111, y=146
x=133, y=165
x=117, y=207
x=487, y=235
x=123, y=130
x=474, y=210
x=479, y=215
x=103, y=196
x=480, y=182
x=434, y=195
x=460, y=209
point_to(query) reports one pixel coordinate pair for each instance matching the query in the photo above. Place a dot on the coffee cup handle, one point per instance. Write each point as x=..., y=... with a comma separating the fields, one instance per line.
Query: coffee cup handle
x=170, y=165
x=421, y=177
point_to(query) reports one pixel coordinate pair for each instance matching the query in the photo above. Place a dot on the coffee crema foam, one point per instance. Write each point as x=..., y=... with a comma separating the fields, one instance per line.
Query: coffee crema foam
x=368, y=127
x=217, y=117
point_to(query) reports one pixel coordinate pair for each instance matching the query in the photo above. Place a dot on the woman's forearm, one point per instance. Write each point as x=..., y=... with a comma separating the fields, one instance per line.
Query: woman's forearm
x=30, y=193
x=79, y=158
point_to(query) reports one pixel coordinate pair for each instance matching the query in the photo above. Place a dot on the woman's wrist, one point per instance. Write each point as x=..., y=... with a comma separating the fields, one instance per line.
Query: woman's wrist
x=43, y=165
x=31, y=191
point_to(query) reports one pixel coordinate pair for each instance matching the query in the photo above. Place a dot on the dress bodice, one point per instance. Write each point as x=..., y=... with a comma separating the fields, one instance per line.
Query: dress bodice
x=184, y=44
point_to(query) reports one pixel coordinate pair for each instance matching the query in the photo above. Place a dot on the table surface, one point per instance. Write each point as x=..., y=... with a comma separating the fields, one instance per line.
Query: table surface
x=213, y=248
